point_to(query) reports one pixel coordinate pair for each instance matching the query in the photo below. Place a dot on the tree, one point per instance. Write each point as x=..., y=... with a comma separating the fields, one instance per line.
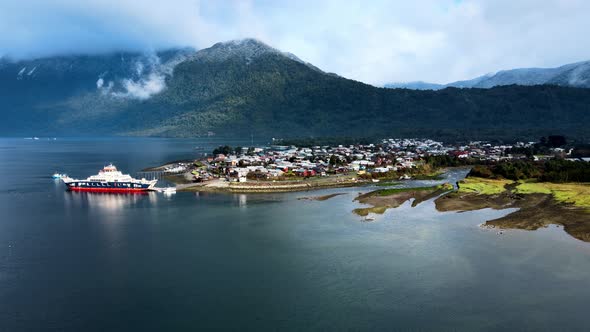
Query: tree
x=543, y=140
x=333, y=160
x=556, y=141
x=226, y=150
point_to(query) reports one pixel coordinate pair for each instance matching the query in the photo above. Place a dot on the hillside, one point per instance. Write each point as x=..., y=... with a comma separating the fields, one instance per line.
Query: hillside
x=43, y=96
x=244, y=87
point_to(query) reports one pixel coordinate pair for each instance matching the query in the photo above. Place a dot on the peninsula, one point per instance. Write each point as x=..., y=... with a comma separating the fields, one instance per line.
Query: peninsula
x=548, y=181
x=283, y=167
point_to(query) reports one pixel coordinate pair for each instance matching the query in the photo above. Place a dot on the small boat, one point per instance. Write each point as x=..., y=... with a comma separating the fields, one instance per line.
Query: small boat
x=375, y=180
x=169, y=191
x=57, y=175
x=369, y=219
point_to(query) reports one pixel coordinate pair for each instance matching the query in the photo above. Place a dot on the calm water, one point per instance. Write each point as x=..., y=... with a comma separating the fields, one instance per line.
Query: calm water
x=104, y=262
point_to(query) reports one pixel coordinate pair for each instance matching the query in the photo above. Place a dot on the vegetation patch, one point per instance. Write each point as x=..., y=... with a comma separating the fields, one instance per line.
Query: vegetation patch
x=433, y=176
x=483, y=186
x=556, y=170
x=568, y=193
x=363, y=212
x=539, y=203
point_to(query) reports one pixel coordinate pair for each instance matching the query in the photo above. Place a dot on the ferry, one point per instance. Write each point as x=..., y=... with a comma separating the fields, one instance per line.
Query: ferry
x=109, y=179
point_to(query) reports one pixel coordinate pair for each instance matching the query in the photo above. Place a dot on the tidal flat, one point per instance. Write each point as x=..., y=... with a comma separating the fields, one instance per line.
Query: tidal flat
x=539, y=203
x=321, y=198
x=383, y=199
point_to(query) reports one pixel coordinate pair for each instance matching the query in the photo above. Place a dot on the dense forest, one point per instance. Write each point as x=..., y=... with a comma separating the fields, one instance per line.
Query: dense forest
x=272, y=95
x=556, y=170
x=277, y=97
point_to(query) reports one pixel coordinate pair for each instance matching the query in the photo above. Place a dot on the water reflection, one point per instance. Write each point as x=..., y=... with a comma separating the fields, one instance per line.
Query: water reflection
x=239, y=200
x=242, y=200
x=106, y=201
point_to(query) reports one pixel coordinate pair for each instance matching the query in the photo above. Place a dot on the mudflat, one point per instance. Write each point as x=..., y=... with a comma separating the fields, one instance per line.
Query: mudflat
x=381, y=200
x=540, y=204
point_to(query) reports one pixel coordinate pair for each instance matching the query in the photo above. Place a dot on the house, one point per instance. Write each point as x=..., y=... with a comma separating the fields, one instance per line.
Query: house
x=381, y=169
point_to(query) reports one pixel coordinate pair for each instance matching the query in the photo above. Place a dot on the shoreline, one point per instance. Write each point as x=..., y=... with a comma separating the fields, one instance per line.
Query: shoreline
x=254, y=186
x=266, y=187
x=539, y=203
x=182, y=184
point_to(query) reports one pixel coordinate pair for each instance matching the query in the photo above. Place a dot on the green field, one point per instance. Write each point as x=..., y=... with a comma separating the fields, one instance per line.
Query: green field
x=577, y=194
x=483, y=186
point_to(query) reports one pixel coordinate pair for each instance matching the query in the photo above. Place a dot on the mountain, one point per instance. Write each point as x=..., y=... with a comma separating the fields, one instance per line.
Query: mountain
x=572, y=75
x=42, y=95
x=246, y=50
x=243, y=87
x=472, y=83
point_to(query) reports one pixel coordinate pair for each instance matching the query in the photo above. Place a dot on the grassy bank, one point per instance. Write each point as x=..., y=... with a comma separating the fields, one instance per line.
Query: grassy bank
x=483, y=186
x=577, y=194
x=567, y=193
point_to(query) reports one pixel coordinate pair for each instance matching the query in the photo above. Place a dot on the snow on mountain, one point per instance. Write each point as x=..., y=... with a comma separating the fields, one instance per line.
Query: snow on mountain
x=246, y=49
x=574, y=75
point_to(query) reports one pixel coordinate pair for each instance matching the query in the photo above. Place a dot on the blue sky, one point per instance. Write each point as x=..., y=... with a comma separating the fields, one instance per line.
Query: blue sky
x=372, y=41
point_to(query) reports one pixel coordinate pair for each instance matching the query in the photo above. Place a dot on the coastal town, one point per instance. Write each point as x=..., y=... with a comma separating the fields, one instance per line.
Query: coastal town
x=545, y=181
x=325, y=165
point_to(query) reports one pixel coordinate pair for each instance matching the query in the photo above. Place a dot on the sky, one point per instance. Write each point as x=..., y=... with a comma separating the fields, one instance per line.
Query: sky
x=374, y=41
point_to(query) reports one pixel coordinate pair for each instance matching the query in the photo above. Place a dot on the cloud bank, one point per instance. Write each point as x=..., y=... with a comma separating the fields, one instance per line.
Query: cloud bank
x=375, y=42
x=148, y=79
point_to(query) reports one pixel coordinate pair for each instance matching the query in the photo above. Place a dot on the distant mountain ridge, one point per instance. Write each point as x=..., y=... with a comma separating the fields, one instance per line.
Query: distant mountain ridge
x=246, y=87
x=571, y=75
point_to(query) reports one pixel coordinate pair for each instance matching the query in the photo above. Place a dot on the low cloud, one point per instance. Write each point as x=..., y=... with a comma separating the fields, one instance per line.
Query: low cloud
x=143, y=88
x=430, y=40
x=147, y=78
